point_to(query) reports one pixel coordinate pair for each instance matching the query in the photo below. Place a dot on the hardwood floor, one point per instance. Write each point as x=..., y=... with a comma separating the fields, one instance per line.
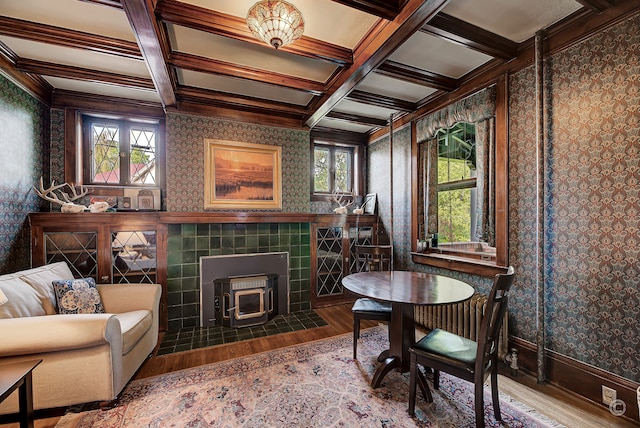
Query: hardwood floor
x=562, y=406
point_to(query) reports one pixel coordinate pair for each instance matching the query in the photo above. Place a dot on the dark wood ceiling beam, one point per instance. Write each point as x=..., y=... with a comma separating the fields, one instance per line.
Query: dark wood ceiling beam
x=384, y=9
x=415, y=75
x=222, y=68
x=354, y=118
x=210, y=21
x=77, y=73
x=32, y=83
x=187, y=93
x=49, y=34
x=381, y=101
x=339, y=135
x=101, y=103
x=144, y=25
x=242, y=115
x=372, y=52
x=473, y=37
x=597, y=5
x=113, y=3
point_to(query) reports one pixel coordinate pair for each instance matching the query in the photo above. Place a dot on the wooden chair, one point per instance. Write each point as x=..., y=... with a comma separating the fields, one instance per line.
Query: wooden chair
x=371, y=258
x=464, y=358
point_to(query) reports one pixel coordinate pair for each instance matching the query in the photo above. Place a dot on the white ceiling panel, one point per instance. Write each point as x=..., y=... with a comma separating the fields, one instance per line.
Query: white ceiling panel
x=352, y=107
x=233, y=51
x=390, y=87
x=343, y=125
x=321, y=17
x=103, y=89
x=73, y=14
x=515, y=20
x=238, y=86
x=428, y=52
x=76, y=57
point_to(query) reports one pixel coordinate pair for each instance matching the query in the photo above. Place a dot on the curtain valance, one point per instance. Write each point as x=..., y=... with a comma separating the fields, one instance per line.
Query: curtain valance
x=472, y=109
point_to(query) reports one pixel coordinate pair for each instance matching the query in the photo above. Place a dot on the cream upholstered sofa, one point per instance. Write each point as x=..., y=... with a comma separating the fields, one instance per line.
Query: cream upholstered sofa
x=85, y=357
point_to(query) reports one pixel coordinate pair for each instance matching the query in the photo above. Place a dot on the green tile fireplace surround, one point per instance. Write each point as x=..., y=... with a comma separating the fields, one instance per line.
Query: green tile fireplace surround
x=187, y=242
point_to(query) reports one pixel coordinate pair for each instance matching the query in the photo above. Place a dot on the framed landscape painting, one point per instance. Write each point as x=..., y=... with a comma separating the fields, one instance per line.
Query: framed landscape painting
x=242, y=175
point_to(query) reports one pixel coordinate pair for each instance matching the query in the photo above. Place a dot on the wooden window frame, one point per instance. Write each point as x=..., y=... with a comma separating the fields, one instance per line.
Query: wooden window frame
x=461, y=263
x=355, y=142
x=74, y=149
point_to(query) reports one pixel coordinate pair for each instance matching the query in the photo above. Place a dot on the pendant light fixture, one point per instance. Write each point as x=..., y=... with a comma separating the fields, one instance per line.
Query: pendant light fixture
x=276, y=22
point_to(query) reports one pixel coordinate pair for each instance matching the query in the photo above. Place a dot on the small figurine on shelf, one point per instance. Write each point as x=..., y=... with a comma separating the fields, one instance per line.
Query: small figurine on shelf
x=99, y=206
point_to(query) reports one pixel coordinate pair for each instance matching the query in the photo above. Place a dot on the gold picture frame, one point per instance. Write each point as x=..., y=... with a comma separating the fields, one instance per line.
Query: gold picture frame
x=242, y=175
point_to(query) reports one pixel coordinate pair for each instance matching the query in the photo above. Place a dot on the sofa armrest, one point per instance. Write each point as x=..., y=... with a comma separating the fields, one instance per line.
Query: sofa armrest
x=120, y=298
x=52, y=333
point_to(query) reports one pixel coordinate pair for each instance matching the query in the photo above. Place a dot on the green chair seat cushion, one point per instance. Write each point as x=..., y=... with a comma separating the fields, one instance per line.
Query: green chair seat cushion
x=371, y=305
x=452, y=346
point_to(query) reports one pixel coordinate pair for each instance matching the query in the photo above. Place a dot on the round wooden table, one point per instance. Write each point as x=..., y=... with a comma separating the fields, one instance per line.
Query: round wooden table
x=404, y=290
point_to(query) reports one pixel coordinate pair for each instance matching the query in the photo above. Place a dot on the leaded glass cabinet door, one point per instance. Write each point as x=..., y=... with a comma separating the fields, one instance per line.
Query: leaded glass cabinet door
x=335, y=238
x=329, y=262
x=78, y=249
x=358, y=235
x=133, y=256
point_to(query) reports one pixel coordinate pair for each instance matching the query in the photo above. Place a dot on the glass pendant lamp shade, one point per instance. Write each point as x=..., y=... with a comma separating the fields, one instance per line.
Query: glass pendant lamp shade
x=276, y=22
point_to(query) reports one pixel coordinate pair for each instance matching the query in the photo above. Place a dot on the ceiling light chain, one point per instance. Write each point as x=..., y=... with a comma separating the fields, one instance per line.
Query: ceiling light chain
x=276, y=22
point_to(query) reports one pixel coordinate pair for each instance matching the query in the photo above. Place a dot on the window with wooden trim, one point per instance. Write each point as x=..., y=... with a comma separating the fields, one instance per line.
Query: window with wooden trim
x=121, y=152
x=332, y=169
x=456, y=186
x=461, y=158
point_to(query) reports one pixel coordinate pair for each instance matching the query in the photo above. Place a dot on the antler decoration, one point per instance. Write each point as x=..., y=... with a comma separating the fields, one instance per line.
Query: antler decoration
x=66, y=205
x=341, y=198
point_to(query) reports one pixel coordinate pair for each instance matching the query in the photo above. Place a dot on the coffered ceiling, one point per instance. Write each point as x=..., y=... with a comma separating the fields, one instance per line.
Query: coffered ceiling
x=359, y=61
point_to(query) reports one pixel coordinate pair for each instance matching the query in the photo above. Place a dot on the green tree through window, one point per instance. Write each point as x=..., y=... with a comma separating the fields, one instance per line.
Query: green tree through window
x=456, y=182
x=333, y=169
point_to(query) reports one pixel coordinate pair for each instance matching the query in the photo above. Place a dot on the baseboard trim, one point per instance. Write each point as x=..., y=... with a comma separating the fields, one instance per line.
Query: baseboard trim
x=577, y=377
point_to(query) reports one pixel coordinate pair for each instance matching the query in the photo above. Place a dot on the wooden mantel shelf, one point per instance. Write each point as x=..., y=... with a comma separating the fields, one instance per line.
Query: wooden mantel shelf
x=165, y=217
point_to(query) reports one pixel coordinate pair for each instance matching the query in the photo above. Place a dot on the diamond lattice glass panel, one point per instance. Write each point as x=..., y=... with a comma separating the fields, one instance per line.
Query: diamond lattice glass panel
x=77, y=249
x=358, y=236
x=134, y=256
x=143, y=156
x=329, y=274
x=343, y=170
x=322, y=164
x=105, y=153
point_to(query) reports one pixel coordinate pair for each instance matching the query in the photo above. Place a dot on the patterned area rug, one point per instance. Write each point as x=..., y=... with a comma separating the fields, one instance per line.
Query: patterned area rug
x=316, y=384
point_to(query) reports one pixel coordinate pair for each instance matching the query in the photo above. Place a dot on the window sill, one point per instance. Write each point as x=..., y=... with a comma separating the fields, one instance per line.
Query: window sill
x=328, y=197
x=474, y=266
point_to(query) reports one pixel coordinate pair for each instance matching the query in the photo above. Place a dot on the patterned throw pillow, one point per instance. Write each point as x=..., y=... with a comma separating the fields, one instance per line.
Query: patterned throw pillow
x=78, y=296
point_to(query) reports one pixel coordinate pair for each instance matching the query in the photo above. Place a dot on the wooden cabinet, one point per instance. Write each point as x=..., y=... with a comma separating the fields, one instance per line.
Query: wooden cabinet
x=119, y=248
x=334, y=239
x=131, y=247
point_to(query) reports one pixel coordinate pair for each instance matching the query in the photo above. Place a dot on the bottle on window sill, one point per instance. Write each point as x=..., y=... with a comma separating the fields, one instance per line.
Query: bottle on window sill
x=434, y=241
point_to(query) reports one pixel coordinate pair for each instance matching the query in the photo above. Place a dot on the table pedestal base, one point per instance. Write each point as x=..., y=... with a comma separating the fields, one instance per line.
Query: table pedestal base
x=390, y=363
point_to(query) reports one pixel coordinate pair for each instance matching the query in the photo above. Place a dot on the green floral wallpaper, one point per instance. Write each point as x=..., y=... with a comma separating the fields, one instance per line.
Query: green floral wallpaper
x=185, y=159
x=24, y=137
x=592, y=239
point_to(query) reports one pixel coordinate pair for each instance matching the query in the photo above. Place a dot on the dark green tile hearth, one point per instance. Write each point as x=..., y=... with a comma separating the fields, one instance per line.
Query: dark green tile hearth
x=187, y=339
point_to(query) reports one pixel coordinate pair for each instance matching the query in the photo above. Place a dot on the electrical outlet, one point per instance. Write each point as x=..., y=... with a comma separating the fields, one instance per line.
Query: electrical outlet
x=608, y=395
